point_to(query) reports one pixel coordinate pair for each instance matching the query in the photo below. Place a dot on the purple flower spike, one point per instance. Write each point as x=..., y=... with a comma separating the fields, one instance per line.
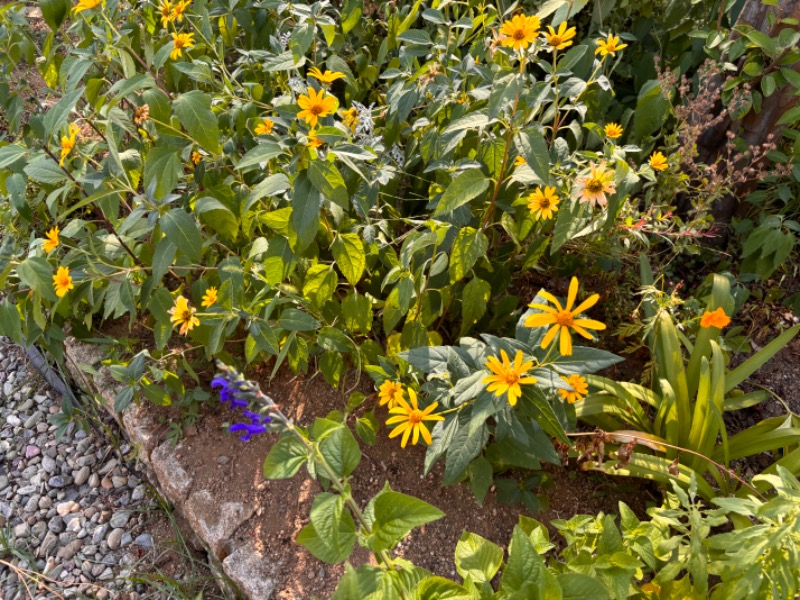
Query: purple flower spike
x=256, y=418
x=227, y=392
x=249, y=430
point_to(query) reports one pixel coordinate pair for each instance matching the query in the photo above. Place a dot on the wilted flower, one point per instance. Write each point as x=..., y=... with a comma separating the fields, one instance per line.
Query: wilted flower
x=68, y=142
x=141, y=114
x=165, y=10
x=350, y=118
x=183, y=315
x=596, y=185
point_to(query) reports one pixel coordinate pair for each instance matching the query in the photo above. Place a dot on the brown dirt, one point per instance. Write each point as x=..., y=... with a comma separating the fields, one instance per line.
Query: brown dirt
x=283, y=506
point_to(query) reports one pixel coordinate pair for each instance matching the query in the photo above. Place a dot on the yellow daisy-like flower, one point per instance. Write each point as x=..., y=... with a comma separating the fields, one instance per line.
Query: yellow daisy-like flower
x=183, y=315
x=313, y=140
x=520, y=32
x=558, y=40
x=613, y=130
x=165, y=10
x=507, y=378
x=658, y=161
x=51, y=243
x=390, y=392
x=596, y=185
x=327, y=76
x=519, y=161
x=411, y=420
x=717, y=318
x=62, y=282
x=579, y=388
x=564, y=318
x=315, y=106
x=179, y=9
x=543, y=204
x=610, y=45
x=209, y=298
x=182, y=41
x=196, y=157
x=68, y=142
x=265, y=127
x=85, y=5
x=350, y=118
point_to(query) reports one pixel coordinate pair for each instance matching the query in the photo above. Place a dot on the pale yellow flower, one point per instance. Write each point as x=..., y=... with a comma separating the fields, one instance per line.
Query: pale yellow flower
x=596, y=185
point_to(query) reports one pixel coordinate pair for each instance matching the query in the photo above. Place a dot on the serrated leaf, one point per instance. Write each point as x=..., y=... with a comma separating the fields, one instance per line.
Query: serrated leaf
x=395, y=515
x=341, y=451
x=469, y=246
x=285, y=458
x=465, y=187
x=477, y=557
x=348, y=251
x=193, y=110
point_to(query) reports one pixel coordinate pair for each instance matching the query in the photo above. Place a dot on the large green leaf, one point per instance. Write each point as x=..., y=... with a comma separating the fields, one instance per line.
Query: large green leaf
x=474, y=302
x=348, y=251
x=193, y=110
x=470, y=245
x=465, y=187
x=331, y=534
x=181, y=230
x=161, y=171
x=394, y=515
x=285, y=458
x=533, y=147
x=755, y=362
x=477, y=557
x=341, y=451
x=57, y=116
x=54, y=12
x=37, y=273
x=306, y=204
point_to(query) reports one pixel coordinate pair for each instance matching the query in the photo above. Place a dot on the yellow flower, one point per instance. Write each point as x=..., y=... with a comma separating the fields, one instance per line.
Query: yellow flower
x=519, y=161
x=85, y=5
x=658, y=161
x=350, y=118
x=68, y=142
x=209, y=298
x=315, y=106
x=717, y=318
x=579, y=389
x=596, y=185
x=410, y=419
x=179, y=9
x=610, y=45
x=507, y=378
x=265, y=127
x=327, y=76
x=613, y=130
x=51, y=243
x=520, y=31
x=165, y=10
x=543, y=204
x=181, y=41
x=313, y=140
x=183, y=315
x=196, y=157
x=558, y=40
x=563, y=319
x=390, y=392
x=62, y=282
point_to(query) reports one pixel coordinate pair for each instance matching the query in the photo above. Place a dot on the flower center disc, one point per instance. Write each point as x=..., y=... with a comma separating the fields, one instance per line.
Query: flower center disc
x=415, y=417
x=519, y=34
x=316, y=109
x=594, y=185
x=545, y=203
x=512, y=378
x=555, y=41
x=565, y=318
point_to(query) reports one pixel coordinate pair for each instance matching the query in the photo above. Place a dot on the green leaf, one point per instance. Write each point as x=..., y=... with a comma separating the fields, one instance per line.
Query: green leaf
x=320, y=284
x=37, y=273
x=181, y=230
x=467, y=442
x=340, y=449
x=331, y=534
x=348, y=251
x=367, y=428
x=358, y=583
x=193, y=110
x=216, y=215
x=652, y=109
x=293, y=319
x=54, y=12
x=328, y=181
x=473, y=303
x=10, y=154
x=533, y=147
x=395, y=515
x=439, y=588
x=57, y=116
x=480, y=478
x=755, y=362
x=465, y=187
x=285, y=458
x=577, y=586
x=357, y=312
x=45, y=170
x=525, y=566
x=470, y=246
x=259, y=154
x=306, y=204
x=477, y=557
x=161, y=171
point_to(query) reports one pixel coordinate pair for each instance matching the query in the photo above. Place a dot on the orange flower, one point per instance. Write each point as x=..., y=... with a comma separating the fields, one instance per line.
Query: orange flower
x=564, y=318
x=51, y=243
x=181, y=41
x=196, y=158
x=610, y=45
x=520, y=31
x=327, y=76
x=579, y=389
x=596, y=185
x=717, y=319
x=543, y=204
x=62, y=282
x=265, y=127
x=313, y=140
x=315, y=106
x=613, y=130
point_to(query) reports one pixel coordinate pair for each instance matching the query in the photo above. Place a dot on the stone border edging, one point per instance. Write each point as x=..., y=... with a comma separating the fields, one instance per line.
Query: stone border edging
x=214, y=524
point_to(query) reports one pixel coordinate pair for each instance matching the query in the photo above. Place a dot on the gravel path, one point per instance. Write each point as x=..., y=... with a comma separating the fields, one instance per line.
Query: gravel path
x=71, y=513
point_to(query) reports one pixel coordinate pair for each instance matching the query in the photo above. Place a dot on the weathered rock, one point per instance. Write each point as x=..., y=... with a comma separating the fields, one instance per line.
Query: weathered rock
x=251, y=571
x=172, y=477
x=216, y=521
